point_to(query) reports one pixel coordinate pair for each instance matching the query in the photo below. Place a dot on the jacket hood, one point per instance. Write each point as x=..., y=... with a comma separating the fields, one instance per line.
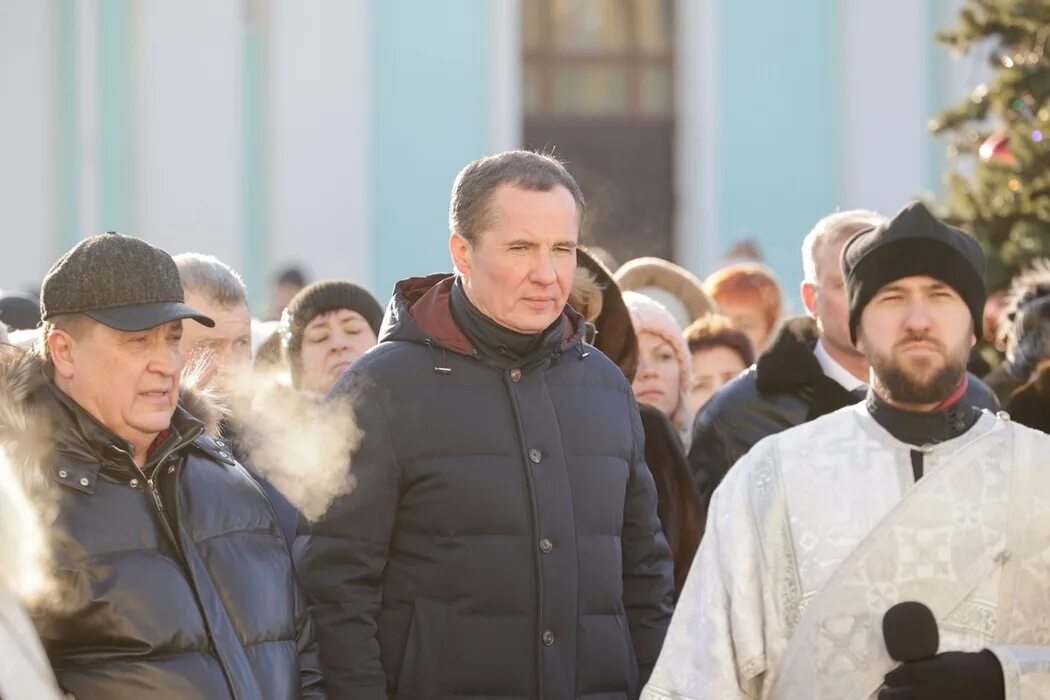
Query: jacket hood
x=616, y=337
x=419, y=312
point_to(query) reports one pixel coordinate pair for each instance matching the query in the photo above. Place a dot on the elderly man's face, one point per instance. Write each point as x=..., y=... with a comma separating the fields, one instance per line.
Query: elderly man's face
x=520, y=271
x=227, y=346
x=916, y=333
x=827, y=302
x=129, y=381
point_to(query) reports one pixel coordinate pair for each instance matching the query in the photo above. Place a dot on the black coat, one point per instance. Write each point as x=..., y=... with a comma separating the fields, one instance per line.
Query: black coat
x=1030, y=404
x=186, y=591
x=502, y=539
x=784, y=388
x=678, y=504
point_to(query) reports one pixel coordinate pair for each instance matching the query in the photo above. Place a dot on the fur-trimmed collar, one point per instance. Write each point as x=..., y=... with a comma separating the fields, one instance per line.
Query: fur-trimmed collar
x=30, y=424
x=789, y=363
x=789, y=366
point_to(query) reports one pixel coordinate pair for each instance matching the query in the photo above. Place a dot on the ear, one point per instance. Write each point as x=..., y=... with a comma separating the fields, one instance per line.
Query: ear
x=61, y=346
x=462, y=253
x=859, y=344
x=809, y=298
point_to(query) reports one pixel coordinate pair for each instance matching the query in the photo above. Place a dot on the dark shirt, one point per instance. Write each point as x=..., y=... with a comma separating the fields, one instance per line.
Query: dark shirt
x=489, y=338
x=922, y=428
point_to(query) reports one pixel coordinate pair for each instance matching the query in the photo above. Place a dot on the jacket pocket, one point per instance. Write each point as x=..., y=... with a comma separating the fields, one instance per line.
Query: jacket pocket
x=420, y=677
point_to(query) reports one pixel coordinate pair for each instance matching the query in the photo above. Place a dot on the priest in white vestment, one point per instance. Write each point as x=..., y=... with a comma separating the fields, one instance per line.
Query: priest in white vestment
x=910, y=496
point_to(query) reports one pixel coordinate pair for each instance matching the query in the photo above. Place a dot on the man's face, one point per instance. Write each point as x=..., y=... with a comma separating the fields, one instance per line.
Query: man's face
x=520, y=271
x=332, y=341
x=129, y=381
x=826, y=301
x=916, y=333
x=227, y=346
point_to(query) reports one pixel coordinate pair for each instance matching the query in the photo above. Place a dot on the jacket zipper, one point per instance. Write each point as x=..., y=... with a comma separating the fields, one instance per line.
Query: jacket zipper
x=155, y=492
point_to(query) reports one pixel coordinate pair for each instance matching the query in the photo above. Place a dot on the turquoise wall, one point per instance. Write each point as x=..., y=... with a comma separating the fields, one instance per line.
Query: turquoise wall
x=431, y=114
x=115, y=119
x=777, y=106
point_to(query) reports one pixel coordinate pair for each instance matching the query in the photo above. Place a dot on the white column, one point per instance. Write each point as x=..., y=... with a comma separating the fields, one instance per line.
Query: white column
x=28, y=132
x=695, y=152
x=505, y=41
x=883, y=50
x=321, y=130
x=86, y=108
x=188, y=125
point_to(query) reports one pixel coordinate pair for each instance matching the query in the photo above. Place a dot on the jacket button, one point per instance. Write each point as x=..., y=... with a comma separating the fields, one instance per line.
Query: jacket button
x=515, y=375
x=546, y=545
x=62, y=474
x=223, y=454
x=548, y=638
x=535, y=456
x=84, y=481
x=134, y=483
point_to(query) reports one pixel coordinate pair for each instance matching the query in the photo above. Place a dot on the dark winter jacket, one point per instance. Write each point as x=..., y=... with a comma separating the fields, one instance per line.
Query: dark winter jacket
x=175, y=581
x=287, y=515
x=1030, y=405
x=502, y=540
x=678, y=504
x=784, y=388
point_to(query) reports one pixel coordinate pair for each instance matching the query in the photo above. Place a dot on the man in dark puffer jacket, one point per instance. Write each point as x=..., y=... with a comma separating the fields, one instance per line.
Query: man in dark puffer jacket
x=174, y=578
x=502, y=539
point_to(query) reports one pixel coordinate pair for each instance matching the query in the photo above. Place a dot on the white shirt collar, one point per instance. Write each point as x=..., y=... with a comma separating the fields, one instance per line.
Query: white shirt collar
x=833, y=370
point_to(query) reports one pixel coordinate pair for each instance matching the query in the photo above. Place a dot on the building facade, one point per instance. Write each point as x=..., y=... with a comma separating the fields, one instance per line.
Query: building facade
x=327, y=133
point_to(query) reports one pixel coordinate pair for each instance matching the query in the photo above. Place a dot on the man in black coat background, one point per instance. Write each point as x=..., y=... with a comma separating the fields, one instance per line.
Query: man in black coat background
x=502, y=539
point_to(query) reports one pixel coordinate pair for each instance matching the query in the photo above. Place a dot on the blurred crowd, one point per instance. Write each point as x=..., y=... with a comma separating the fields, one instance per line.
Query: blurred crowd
x=248, y=544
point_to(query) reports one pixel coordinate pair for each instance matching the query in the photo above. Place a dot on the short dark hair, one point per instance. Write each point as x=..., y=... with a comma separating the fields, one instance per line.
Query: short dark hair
x=716, y=331
x=291, y=275
x=469, y=213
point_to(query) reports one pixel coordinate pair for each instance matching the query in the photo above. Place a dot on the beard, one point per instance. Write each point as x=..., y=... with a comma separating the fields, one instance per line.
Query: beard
x=919, y=380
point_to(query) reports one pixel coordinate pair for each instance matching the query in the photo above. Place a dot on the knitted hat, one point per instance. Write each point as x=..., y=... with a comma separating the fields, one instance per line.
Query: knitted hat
x=650, y=316
x=120, y=281
x=320, y=297
x=913, y=243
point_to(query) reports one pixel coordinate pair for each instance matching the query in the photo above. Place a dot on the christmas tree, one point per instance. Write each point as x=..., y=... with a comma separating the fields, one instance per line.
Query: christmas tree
x=1005, y=201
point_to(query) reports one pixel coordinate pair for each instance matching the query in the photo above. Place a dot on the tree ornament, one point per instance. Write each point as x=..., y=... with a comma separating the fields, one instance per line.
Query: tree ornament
x=996, y=148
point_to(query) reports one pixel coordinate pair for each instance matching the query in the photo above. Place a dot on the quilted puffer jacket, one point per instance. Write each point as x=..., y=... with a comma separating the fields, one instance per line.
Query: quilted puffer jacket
x=502, y=539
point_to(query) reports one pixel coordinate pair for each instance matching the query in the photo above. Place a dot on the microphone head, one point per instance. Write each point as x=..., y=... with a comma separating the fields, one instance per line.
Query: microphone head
x=910, y=631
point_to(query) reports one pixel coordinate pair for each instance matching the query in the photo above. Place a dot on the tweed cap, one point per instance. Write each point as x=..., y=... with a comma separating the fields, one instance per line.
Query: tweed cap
x=120, y=281
x=913, y=243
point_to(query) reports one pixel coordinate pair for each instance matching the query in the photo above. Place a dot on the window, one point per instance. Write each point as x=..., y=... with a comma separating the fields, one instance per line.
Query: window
x=599, y=92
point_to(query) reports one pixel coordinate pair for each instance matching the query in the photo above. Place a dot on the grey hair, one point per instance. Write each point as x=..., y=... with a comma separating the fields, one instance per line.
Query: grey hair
x=211, y=278
x=834, y=227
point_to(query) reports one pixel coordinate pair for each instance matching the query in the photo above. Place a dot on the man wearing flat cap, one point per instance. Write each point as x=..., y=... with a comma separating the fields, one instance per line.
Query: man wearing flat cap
x=172, y=577
x=819, y=532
